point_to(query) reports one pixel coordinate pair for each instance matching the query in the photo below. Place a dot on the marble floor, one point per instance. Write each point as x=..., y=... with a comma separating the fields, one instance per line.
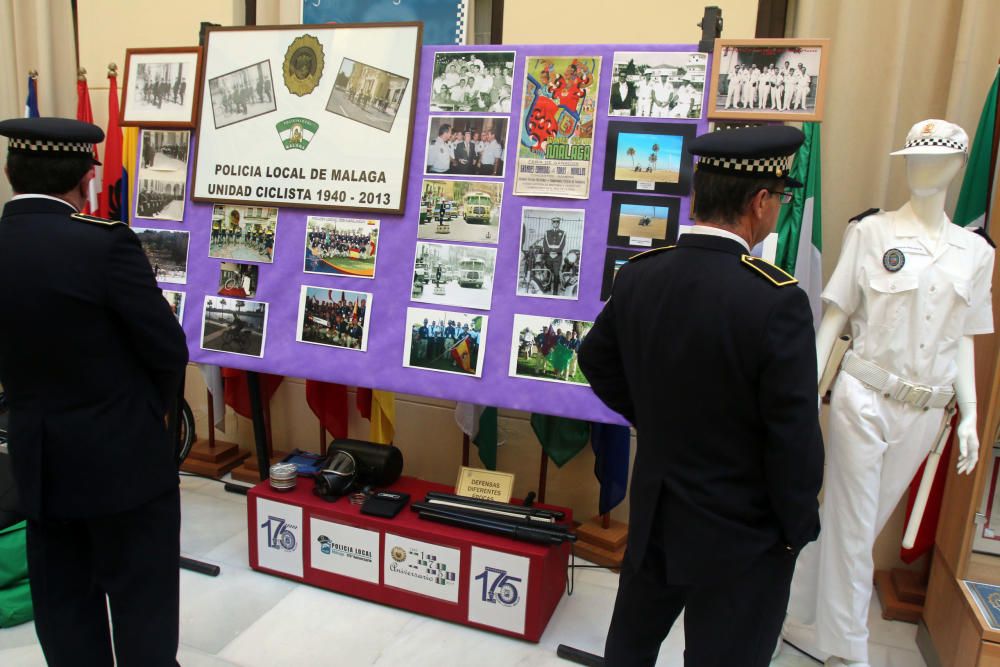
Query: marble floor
x=250, y=619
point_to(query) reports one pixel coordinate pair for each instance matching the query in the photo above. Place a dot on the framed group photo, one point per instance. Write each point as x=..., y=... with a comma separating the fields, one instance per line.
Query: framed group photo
x=649, y=157
x=161, y=87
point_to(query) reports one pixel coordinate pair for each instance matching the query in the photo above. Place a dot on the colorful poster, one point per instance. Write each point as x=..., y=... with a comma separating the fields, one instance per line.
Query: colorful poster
x=555, y=149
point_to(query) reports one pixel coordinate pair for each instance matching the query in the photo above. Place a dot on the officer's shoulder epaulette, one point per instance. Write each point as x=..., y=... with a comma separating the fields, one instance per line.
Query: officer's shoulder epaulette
x=979, y=231
x=649, y=253
x=864, y=214
x=774, y=274
x=94, y=220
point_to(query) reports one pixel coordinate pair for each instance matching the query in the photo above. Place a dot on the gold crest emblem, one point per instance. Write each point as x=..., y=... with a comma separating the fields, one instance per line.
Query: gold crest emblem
x=398, y=554
x=303, y=66
x=927, y=129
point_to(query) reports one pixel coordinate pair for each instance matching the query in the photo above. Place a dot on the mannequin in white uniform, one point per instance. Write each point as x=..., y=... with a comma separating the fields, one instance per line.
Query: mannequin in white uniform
x=915, y=288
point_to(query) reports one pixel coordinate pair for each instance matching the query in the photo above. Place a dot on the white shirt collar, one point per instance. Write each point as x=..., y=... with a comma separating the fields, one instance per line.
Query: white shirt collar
x=34, y=196
x=904, y=225
x=705, y=230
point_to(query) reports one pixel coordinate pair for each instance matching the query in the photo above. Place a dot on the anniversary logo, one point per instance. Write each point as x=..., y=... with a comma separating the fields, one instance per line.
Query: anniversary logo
x=423, y=566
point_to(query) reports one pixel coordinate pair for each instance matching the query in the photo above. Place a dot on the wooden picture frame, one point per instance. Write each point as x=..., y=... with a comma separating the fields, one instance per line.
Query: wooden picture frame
x=161, y=88
x=795, y=68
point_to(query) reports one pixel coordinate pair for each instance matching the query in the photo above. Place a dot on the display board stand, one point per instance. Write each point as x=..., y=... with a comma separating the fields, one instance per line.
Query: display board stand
x=212, y=457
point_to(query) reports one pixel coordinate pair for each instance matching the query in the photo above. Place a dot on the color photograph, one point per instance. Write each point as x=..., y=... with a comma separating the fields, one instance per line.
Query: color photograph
x=551, y=252
x=446, y=341
x=234, y=325
x=239, y=280
x=466, y=146
x=546, y=348
x=460, y=211
x=480, y=81
x=658, y=84
x=243, y=233
x=335, y=318
x=643, y=222
x=648, y=157
x=242, y=95
x=341, y=246
x=454, y=275
x=167, y=251
x=176, y=302
x=161, y=183
x=367, y=95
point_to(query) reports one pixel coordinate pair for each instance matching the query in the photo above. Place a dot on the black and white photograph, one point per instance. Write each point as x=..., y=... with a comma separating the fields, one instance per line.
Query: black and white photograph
x=341, y=246
x=769, y=79
x=551, y=252
x=238, y=280
x=480, y=82
x=643, y=222
x=161, y=184
x=176, y=301
x=243, y=233
x=335, y=318
x=243, y=94
x=546, y=348
x=161, y=87
x=466, y=211
x=658, y=84
x=366, y=94
x=167, y=252
x=445, y=341
x=614, y=260
x=466, y=146
x=454, y=275
x=234, y=325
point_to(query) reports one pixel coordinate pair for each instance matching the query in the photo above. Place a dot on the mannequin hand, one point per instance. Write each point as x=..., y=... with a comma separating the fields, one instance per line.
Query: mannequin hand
x=968, y=444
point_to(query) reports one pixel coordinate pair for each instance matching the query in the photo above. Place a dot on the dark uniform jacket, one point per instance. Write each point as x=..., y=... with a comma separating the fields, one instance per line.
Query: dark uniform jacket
x=90, y=357
x=715, y=366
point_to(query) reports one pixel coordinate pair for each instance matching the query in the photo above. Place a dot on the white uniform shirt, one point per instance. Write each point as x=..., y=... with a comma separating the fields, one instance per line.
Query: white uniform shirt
x=439, y=156
x=909, y=322
x=491, y=153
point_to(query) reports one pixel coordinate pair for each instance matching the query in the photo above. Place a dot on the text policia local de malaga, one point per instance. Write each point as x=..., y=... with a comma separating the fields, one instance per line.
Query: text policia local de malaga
x=285, y=173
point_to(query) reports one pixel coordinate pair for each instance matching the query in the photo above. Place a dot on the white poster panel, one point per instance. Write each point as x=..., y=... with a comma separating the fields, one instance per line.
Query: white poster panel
x=314, y=116
x=344, y=550
x=498, y=589
x=421, y=567
x=279, y=537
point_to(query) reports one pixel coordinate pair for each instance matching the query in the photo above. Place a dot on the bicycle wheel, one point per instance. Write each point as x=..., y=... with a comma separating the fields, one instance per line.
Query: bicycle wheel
x=185, y=431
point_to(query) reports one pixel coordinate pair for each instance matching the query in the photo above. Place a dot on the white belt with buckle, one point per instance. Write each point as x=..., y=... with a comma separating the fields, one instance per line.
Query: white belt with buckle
x=894, y=387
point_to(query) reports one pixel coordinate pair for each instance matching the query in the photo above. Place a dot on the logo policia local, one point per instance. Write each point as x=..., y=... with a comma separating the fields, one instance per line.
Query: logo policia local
x=296, y=133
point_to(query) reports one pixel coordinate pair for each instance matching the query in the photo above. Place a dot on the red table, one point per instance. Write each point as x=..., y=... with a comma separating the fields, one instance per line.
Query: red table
x=478, y=579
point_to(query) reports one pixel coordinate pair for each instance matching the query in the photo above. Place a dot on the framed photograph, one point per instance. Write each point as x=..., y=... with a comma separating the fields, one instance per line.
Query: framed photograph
x=335, y=318
x=445, y=341
x=234, y=325
x=242, y=94
x=176, y=302
x=551, y=252
x=460, y=211
x=545, y=348
x=341, y=246
x=454, y=275
x=366, y=94
x=468, y=146
x=243, y=233
x=643, y=222
x=768, y=79
x=614, y=259
x=648, y=157
x=472, y=81
x=167, y=251
x=161, y=87
x=238, y=280
x=658, y=84
x=161, y=183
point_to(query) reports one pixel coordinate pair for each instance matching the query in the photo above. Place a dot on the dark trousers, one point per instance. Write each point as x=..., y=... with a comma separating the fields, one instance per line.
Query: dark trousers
x=733, y=621
x=130, y=560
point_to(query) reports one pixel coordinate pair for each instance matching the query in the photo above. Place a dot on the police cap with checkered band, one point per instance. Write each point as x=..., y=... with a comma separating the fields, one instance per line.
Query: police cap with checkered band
x=935, y=137
x=756, y=152
x=51, y=137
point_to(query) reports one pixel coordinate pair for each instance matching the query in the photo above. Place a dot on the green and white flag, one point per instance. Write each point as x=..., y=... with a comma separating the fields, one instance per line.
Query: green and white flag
x=480, y=424
x=800, y=229
x=978, y=181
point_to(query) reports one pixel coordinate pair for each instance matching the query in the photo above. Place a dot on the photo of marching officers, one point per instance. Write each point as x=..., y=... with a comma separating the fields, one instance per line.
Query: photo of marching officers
x=159, y=85
x=551, y=251
x=335, y=318
x=768, y=80
x=243, y=233
x=341, y=246
x=658, y=84
x=546, y=348
x=162, y=179
x=366, y=94
x=473, y=81
x=167, y=252
x=234, y=325
x=467, y=146
x=243, y=94
x=455, y=275
x=445, y=341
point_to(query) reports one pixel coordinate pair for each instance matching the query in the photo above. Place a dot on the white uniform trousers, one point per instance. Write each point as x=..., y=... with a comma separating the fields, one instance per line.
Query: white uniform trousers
x=874, y=447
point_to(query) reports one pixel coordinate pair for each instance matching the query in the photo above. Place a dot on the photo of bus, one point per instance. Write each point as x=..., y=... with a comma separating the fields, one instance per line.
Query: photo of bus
x=477, y=208
x=471, y=271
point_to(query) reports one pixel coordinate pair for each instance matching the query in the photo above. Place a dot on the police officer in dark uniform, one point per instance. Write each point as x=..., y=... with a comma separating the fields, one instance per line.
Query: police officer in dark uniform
x=554, y=245
x=91, y=359
x=710, y=354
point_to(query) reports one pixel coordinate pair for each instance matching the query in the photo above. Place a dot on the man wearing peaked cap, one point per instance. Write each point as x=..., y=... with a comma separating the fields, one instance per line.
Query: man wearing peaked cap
x=91, y=360
x=710, y=354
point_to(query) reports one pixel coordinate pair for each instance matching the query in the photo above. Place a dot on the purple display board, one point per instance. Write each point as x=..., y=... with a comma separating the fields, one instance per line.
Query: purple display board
x=381, y=365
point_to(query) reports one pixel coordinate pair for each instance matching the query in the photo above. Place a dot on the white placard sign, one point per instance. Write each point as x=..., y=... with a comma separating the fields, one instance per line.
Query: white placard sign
x=279, y=537
x=421, y=567
x=318, y=116
x=344, y=550
x=498, y=589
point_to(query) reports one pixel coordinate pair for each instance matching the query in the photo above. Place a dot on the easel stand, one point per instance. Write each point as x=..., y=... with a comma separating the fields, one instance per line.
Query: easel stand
x=213, y=458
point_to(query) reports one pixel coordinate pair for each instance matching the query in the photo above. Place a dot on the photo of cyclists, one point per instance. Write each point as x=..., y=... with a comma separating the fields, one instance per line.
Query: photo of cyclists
x=243, y=233
x=341, y=246
x=234, y=325
x=445, y=341
x=551, y=251
x=545, y=348
x=335, y=318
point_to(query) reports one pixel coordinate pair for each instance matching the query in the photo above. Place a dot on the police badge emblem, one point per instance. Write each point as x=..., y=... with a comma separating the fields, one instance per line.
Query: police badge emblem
x=303, y=66
x=893, y=259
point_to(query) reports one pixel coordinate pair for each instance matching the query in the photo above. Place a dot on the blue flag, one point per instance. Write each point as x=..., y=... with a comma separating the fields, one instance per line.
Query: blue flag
x=31, y=104
x=611, y=450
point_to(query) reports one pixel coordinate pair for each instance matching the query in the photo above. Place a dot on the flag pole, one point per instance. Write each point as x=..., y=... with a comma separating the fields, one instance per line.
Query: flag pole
x=543, y=473
x=465, y=449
